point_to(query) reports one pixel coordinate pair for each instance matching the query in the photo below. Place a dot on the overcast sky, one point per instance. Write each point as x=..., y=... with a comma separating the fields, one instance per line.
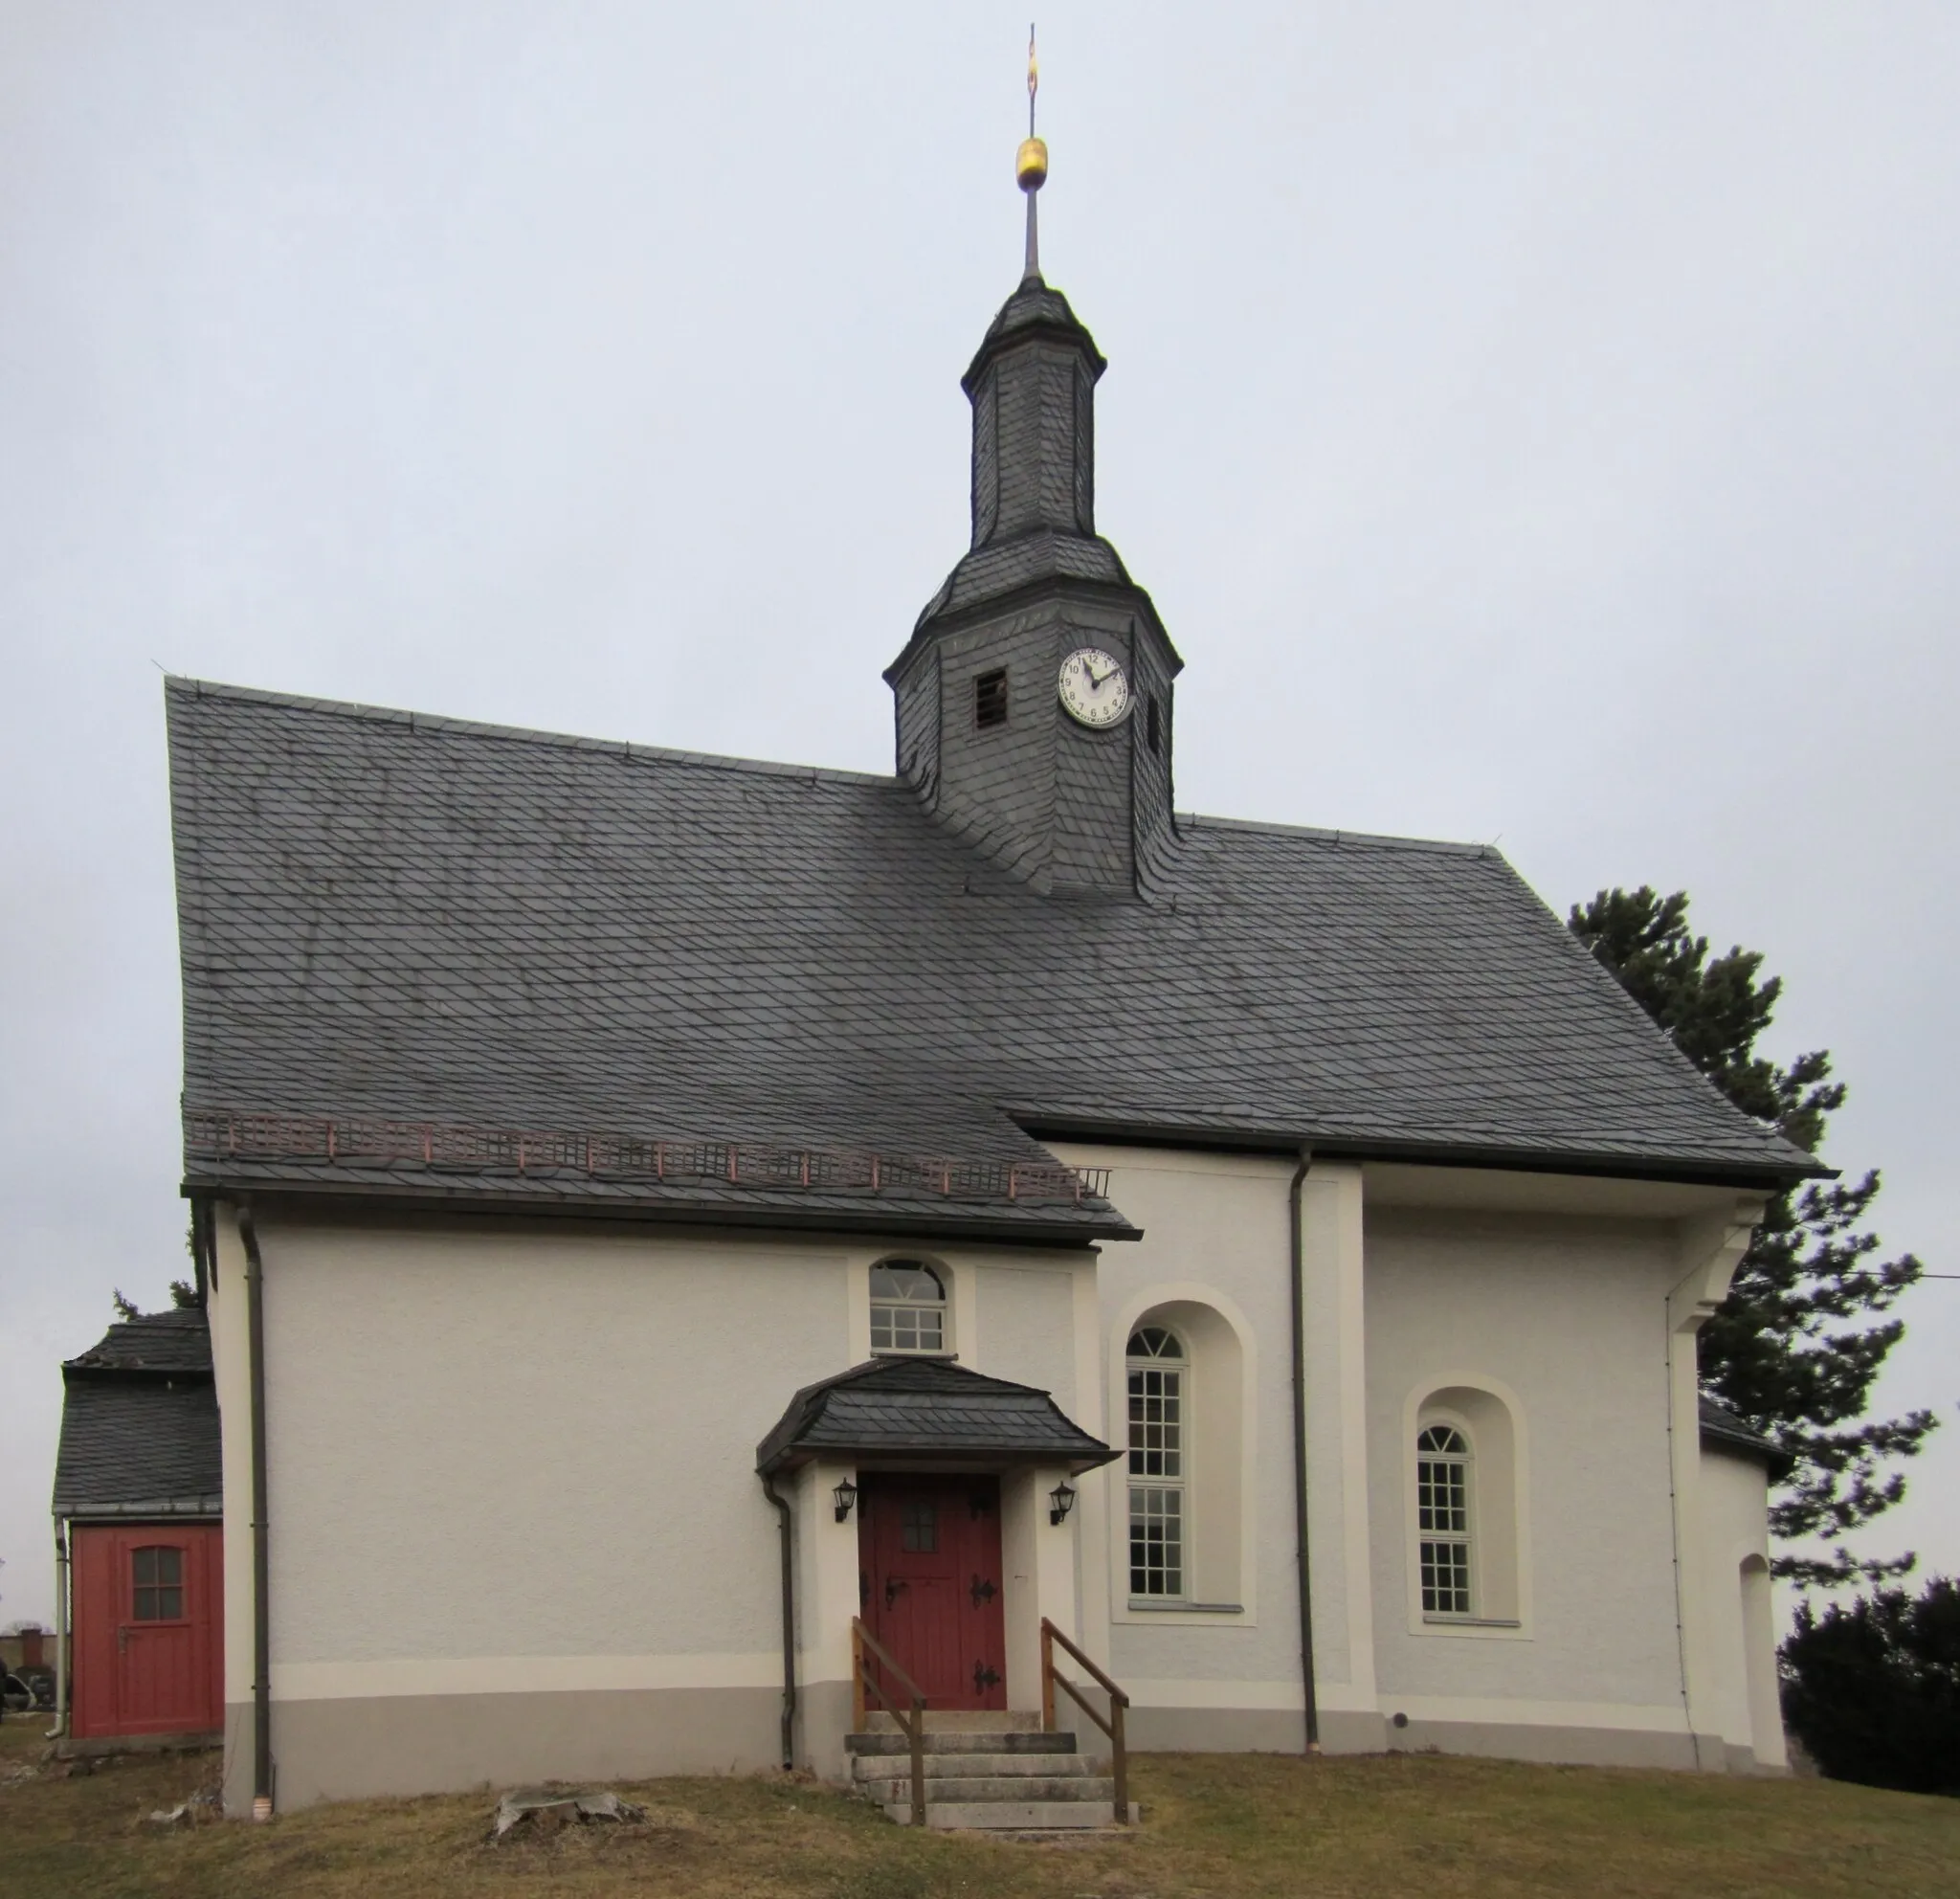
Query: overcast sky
x=1536, y=423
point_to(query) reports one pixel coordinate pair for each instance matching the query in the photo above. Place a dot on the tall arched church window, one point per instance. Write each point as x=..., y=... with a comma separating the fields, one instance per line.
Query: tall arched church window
x=908, y=1308
x=1442, y=1520
x=1159, y=1459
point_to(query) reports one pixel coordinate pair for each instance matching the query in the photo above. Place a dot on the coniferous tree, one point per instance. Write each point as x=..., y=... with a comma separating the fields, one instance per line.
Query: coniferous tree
x=1796, y=1346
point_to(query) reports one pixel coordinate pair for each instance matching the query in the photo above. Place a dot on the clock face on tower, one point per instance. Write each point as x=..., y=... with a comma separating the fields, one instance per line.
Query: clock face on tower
x=1093, y=688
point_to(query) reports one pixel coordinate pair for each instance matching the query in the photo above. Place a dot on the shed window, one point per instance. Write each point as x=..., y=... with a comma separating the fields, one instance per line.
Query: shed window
x=990, y=698
x=1155, y=728
x=1157, y=1454
x=156, y=1574
x=908, y=1308
x=1442, y=1520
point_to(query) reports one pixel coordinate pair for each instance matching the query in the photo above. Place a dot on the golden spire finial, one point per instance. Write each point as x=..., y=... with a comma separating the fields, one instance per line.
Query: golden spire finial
x=1031, y=162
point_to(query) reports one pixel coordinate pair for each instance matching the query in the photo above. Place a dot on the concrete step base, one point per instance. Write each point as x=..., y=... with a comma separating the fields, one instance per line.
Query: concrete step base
x=1010, y=1815
x=1046, y=1765
x=982, y=1740
x=1018, y=1789
x=957, y=1721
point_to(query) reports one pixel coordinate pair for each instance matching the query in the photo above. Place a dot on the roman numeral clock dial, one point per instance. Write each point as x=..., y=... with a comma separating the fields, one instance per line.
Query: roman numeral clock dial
x=1093, y=688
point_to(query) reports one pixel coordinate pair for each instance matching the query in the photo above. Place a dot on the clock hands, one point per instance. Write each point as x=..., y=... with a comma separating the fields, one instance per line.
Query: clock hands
x=1093, y=688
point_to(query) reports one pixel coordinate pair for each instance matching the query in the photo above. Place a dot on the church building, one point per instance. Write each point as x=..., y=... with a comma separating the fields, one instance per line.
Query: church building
x=692, y=1243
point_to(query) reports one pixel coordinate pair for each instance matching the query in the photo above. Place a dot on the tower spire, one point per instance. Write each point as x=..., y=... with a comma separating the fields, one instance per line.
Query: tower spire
x=1031, y=167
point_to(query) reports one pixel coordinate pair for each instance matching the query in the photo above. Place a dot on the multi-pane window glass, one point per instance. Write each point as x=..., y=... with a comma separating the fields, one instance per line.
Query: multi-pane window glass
x=1442, y=1519
x=157, y=1579
x=908, y=1308
x=1157, y=1453
x=919, y=1529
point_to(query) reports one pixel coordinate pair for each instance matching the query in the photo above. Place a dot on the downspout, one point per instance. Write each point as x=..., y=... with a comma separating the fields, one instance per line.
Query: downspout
x=60, y=1729
x=768, y=1491
x=261, y=1620
x=1306, y=1681
x=201, y=1220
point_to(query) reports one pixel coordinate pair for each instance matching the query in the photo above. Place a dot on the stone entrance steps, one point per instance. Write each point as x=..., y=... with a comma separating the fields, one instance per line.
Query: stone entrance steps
x=997, y=1772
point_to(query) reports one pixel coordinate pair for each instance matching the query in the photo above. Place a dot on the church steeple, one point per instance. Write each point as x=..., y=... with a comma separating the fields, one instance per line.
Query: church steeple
x=1072, y=798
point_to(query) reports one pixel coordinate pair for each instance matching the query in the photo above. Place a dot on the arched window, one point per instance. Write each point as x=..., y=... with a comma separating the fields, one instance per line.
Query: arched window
x=908, y=1308
x=1159, y=1456
x=1442, y=1520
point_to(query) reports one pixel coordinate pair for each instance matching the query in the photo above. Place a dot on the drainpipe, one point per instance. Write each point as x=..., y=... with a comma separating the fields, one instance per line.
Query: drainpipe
x=1306, y=1681
x=201, y=1223
x=60, y=1729
x=261, y=1620
x=768, y=1491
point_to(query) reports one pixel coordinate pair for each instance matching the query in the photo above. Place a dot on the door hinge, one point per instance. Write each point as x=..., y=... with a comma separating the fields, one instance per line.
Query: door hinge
x=981, y=1591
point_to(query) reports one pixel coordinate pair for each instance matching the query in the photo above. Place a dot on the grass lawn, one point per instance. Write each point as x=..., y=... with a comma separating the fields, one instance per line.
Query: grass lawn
x=1382, y=1827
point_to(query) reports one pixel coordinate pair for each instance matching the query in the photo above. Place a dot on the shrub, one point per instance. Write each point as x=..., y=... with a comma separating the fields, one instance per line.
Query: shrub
x=1873, y=1690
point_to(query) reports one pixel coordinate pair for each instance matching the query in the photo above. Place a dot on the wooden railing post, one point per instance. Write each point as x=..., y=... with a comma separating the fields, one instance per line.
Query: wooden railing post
x=1119, y=1761
x=912, y=1725
x=1119, y=1701
x=918, y=1739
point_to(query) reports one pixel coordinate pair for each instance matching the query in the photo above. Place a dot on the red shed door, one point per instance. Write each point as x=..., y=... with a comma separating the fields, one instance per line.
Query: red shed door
x=928, y=1550
x=149, y=1611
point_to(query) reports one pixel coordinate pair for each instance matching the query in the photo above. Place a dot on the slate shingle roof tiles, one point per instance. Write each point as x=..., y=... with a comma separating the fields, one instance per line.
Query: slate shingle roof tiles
x=389, y=915
x=139, y=1422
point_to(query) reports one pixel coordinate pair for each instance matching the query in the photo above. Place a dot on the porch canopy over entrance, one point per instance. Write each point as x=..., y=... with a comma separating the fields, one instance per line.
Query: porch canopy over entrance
x=927, y=1412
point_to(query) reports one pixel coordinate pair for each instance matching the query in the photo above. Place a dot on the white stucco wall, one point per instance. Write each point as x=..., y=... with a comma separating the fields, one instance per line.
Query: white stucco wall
x=1735, y=1554
x=1564, y=1318
x=523, y=1457
x=509, y=1457
x=1216, y=1233
x=1545, y=1301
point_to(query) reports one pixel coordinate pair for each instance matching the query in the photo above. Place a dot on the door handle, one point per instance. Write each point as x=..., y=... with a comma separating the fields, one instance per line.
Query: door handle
x=892, y=1585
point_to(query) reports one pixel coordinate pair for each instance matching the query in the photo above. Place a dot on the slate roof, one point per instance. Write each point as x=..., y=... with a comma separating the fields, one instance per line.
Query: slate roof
x=927, y=1408
x=139, y=1423
x=1720, y=1425
x=1034, y=306
x=382, y=914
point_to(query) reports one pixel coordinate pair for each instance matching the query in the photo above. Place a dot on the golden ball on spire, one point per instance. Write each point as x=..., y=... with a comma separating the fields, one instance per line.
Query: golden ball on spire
x=1031, y=165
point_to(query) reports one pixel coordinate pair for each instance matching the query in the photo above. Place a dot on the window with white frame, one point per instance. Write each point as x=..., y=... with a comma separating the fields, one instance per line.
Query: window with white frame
x=908, y=1308
x=1442, y=1520
x=1159, y=1456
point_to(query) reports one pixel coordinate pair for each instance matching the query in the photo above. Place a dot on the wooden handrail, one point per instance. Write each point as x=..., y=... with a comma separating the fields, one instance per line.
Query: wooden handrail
x=1113, y=1727
x=914, y=1728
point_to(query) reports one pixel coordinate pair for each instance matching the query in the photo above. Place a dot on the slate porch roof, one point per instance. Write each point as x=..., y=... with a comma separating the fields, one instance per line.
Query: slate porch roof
x=139, y=1423
x=386, y=914
x=915, y=1409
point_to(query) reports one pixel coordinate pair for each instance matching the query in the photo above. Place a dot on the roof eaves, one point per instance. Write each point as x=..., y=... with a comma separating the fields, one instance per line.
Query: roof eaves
x=83, y=1509
x=870, y=1217
x=1227, y=1137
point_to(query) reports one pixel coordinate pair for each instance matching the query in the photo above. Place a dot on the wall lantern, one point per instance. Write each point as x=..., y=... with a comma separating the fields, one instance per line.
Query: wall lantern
x=1059, y=1499
x=846, y=1494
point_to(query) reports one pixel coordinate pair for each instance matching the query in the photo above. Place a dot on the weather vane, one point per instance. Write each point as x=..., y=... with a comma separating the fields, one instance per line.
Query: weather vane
x=1031, y=162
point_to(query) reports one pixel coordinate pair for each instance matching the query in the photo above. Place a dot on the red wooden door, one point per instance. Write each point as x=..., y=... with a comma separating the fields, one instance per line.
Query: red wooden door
x=929, y=1552
x=148, y=1612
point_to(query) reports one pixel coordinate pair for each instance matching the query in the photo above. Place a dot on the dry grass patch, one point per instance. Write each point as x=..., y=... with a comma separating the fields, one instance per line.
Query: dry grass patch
x=1419, y=1826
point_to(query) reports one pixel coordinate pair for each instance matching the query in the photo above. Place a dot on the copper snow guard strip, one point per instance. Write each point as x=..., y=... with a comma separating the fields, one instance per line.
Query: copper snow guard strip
x=366, y=1141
